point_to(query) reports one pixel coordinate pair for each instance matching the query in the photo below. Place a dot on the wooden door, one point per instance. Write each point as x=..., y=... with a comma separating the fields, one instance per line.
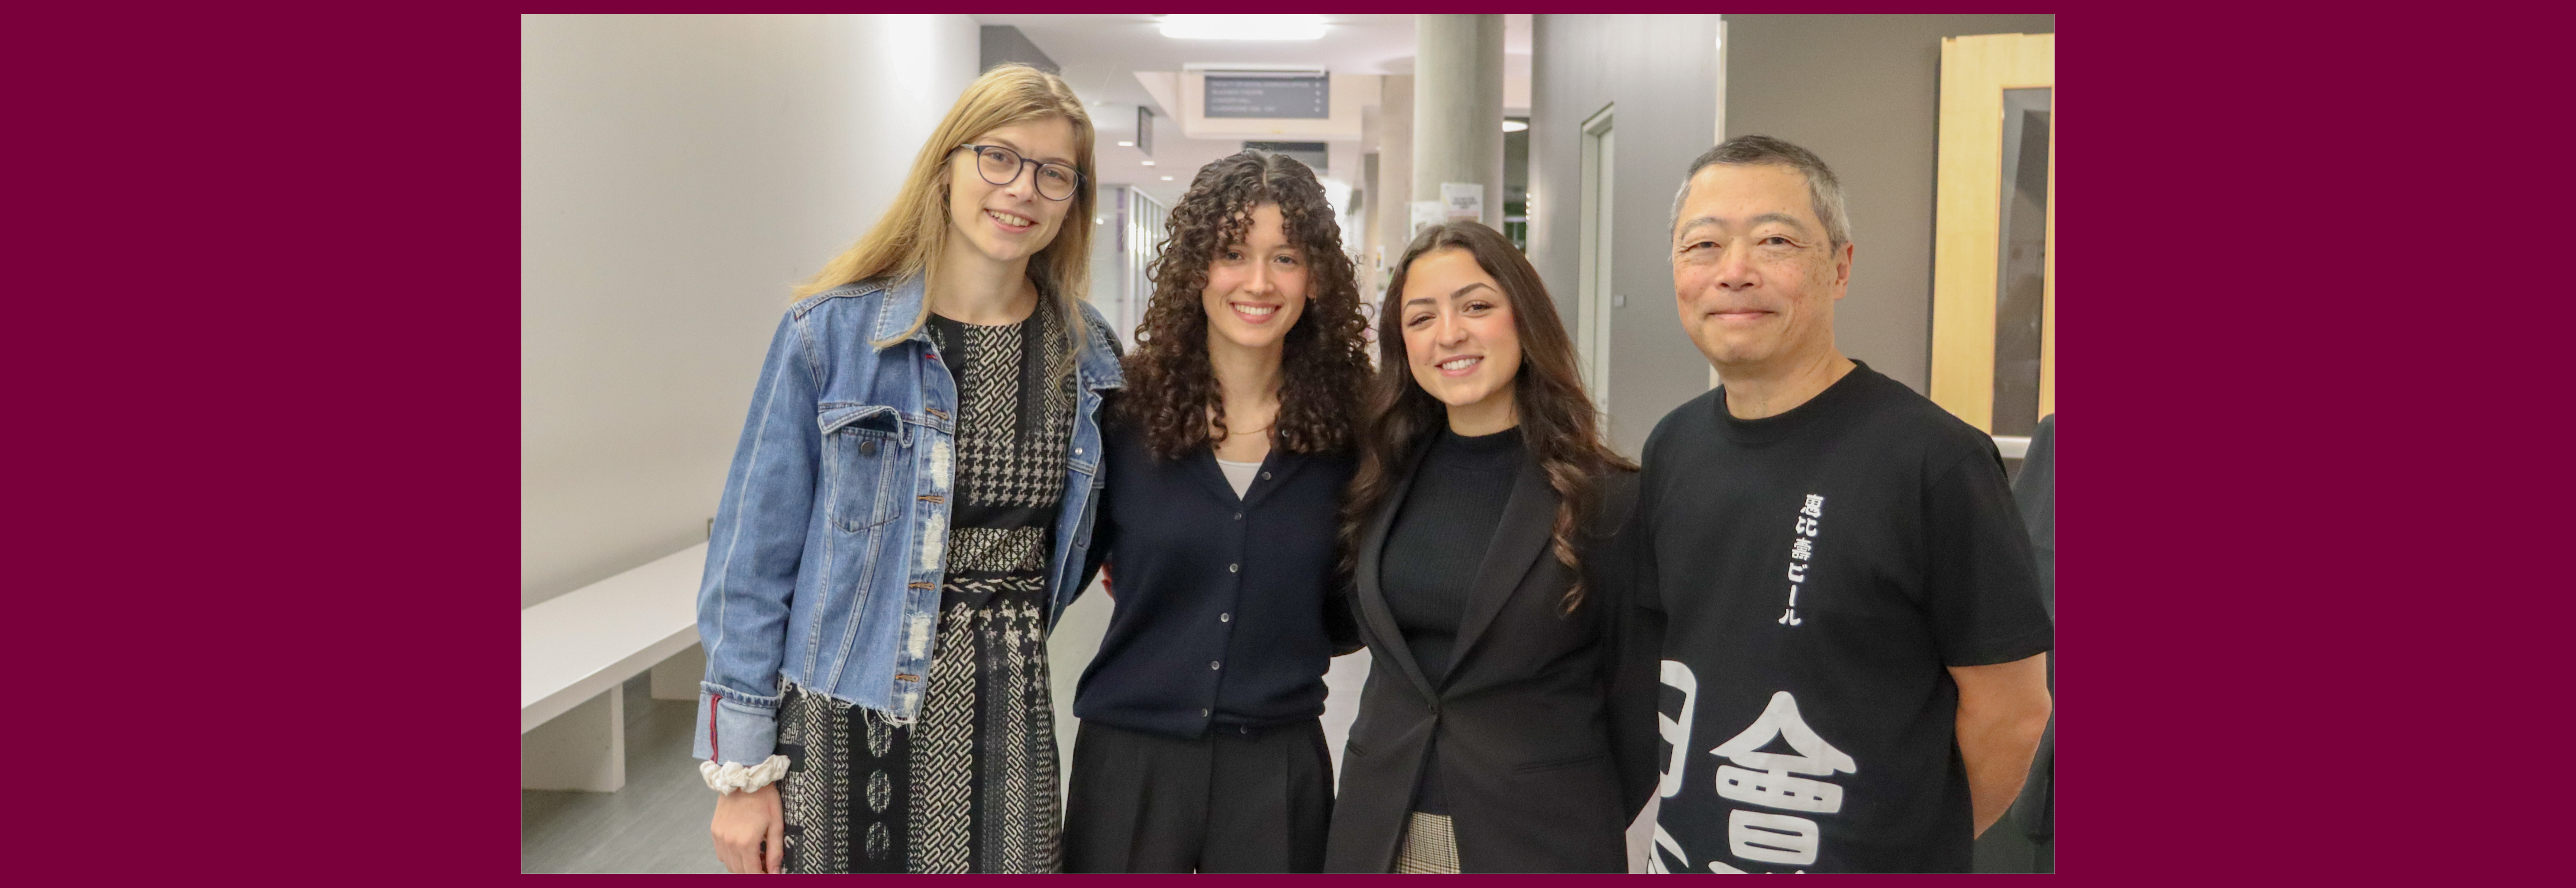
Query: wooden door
x=1995, y=89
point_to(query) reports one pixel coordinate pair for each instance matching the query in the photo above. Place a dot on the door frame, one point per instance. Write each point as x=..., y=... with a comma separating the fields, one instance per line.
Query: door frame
x=1595, y=294
x=1975, y=71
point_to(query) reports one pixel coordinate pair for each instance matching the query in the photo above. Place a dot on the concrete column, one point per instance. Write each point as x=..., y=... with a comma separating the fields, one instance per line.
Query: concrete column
x=1458, y=107
x=1394, y=171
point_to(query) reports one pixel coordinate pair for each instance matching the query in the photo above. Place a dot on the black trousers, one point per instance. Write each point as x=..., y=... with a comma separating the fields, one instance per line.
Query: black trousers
x=1240, y=800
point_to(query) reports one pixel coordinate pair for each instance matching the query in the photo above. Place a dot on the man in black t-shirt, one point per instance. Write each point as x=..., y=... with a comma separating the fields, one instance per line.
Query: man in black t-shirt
x=1854, y=644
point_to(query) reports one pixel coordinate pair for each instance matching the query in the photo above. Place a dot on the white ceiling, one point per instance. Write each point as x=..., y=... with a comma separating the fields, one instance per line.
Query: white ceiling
x=1099, y=55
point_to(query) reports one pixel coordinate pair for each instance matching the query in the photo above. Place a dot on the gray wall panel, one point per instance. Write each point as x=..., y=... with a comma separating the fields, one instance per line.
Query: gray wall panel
x=1864, y=93
x=1661, y=71
x=678, y=174
x=1001, y=44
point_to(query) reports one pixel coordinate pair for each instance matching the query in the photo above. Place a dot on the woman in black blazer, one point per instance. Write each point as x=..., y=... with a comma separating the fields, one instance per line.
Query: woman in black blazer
x=1506, y=725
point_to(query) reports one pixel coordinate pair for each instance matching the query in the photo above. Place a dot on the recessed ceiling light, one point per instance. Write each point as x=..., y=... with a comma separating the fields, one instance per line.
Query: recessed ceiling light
x=1127, y=144
x=1167, y=178
x=1514, y=126
x=1149, y=163
x=1243, y=27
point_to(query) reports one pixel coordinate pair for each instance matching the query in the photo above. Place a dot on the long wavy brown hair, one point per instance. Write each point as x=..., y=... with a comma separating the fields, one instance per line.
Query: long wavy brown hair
x=1171, y=388
x=1557, y=424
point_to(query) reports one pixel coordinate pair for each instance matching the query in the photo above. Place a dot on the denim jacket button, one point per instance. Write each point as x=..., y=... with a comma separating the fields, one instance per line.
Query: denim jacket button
x=867, y=448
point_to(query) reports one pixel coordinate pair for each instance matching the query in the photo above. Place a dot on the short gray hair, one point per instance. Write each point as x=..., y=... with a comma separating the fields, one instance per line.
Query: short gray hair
x=1824, y=192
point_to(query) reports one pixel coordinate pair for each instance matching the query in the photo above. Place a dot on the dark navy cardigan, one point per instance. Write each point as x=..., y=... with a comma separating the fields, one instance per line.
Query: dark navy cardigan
x=1228, y=609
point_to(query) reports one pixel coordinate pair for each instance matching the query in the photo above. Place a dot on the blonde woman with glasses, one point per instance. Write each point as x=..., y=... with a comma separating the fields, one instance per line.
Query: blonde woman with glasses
x=905, y=516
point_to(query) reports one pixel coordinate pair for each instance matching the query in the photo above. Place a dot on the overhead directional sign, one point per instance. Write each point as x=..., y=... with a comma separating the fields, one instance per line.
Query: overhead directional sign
x=1294, y=96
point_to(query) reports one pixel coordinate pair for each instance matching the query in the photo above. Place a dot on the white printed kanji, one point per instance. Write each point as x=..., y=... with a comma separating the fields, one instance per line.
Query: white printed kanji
x=1664, y=844
x=1771, y=838
x=1802, y=548
x=1768, y=779
x=1676, y=732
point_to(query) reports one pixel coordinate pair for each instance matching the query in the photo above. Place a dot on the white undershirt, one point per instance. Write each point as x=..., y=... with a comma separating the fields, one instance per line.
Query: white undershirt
x=1239, y=474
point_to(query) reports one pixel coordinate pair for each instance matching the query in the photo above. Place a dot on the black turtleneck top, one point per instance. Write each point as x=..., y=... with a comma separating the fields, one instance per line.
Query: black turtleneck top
x=1432, y=552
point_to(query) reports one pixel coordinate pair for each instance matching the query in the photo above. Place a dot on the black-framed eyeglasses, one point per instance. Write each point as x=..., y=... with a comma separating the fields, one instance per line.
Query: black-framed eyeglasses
x=1001, y=166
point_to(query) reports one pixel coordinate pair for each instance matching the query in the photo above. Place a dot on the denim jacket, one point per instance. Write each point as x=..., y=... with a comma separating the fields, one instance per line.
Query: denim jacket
x=830, y=542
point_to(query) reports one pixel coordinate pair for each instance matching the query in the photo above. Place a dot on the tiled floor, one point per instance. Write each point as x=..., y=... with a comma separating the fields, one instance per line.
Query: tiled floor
x=658, y=823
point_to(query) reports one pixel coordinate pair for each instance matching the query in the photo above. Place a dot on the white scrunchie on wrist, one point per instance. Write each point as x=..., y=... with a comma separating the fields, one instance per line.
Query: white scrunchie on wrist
x=729, y=778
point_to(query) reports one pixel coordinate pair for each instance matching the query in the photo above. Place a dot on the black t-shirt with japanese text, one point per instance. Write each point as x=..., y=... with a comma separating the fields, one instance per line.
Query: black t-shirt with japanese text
x=1817, y=571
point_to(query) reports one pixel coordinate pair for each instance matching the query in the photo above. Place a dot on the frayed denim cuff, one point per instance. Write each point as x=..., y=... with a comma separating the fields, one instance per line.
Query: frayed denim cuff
x=734, y=728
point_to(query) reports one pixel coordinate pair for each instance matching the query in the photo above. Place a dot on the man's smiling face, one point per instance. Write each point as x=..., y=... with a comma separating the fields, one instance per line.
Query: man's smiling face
x=1754, y=274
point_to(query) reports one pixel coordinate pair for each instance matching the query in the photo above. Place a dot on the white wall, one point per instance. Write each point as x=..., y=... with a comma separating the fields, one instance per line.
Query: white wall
x=678, y=175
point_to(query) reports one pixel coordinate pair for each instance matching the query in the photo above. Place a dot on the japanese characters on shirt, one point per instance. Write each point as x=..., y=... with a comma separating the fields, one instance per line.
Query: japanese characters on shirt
x=1762, y=780
x=1802, y=546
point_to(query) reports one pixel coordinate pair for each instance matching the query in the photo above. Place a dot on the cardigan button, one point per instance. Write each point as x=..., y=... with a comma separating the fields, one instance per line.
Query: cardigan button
x=1238, y=516
x=1203, y=713
x=1212, y=664
x=1265, y=476
x=1225, y=618
x=1233, y=568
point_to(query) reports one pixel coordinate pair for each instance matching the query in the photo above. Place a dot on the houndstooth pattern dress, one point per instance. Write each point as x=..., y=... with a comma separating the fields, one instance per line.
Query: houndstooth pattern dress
x=971, y=785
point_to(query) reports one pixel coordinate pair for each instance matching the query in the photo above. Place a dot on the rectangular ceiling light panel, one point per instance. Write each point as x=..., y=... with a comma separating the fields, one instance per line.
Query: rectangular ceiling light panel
x=1243, y=27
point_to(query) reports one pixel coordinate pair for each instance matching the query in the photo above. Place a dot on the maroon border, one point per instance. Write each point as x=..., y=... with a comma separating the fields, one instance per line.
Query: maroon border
x=2257, y=624
x=283, y=246
x=263, y=332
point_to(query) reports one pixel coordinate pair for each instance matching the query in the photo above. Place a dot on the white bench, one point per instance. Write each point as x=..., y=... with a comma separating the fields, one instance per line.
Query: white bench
x=577, y=650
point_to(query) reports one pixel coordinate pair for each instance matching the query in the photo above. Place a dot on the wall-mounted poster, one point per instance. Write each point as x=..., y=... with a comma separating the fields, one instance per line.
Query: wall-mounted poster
x=1463, y=200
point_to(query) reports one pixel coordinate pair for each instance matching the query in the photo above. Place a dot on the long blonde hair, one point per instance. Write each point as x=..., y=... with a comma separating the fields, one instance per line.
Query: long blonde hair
x=908, y=240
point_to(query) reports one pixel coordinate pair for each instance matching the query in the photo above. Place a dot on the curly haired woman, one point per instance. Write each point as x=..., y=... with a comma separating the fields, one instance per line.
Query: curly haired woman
x=1226, y=456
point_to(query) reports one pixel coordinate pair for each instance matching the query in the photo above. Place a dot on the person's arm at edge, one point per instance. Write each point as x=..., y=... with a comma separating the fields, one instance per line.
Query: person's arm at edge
x=1994, y=631
x=746, y=596
x=2002, y=710
x=1104, y=523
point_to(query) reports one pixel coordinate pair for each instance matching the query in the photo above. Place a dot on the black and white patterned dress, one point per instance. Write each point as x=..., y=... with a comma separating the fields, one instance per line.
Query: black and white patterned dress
x=971, y=785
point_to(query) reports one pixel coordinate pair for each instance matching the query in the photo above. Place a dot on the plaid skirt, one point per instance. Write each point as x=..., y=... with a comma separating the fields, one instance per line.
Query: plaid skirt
x=1430, y=845
x=969, y=787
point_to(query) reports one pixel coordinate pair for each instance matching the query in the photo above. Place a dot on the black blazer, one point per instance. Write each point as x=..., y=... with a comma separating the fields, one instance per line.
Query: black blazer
x=1545, y=720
